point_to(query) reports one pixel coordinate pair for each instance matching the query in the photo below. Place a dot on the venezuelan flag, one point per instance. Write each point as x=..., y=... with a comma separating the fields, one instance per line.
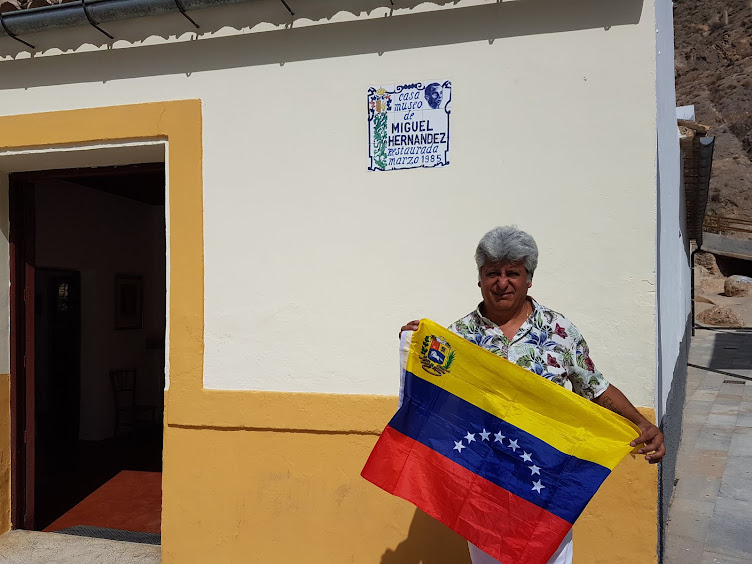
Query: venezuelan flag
x=502, y=456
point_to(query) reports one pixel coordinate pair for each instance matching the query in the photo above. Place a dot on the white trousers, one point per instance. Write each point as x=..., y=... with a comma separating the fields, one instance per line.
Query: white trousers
x=563, y=554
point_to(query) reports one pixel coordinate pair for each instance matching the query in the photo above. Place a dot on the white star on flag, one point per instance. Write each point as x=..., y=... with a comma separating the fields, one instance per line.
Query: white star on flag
x=458, y=446
x=513, y=445
x=470, y=437
x=534, y=470
x=525, y=456
x=499, y=437
x=537, y=486
x=484, y=434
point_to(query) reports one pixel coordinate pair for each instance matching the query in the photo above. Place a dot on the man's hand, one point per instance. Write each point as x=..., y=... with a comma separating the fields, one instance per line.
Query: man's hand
x=653, y=449
x=410, y=326
x=654, y=442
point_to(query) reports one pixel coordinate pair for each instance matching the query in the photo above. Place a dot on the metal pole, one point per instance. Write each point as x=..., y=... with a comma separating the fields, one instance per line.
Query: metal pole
x=692, y=284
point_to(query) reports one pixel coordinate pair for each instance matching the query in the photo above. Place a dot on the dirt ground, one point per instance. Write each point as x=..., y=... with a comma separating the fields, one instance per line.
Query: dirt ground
x=740, y=305
x=713, y=41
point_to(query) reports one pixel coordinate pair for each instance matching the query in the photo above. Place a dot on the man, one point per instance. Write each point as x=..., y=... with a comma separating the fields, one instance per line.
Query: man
x=513, y=325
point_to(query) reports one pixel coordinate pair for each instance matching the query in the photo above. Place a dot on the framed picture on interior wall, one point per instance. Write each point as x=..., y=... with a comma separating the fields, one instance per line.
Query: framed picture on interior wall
x=129, y=299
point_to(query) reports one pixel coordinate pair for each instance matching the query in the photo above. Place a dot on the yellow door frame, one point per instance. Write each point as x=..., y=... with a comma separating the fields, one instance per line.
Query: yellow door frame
x=179, y=124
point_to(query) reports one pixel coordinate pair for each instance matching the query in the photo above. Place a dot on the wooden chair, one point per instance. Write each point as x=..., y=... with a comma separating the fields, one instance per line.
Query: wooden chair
x=126, y=409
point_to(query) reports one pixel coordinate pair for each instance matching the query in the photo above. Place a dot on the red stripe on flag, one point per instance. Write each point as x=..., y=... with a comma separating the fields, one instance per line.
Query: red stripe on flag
x=509, y=528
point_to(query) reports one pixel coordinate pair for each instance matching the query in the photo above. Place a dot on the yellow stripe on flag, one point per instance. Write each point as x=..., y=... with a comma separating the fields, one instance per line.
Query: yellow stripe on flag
x=561, y=418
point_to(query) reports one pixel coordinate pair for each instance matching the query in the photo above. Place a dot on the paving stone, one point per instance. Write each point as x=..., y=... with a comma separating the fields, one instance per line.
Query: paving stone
x=701, y=355
x=696, y=488
x=681, y=550
x=711, y=438
x=745, y=406
x=689, y=389
x=715, y=558
x=698, y=355
x=729, y=532
x=744, y=420
x=690, y=518
x=741, y=442
x=715, y=451
x=731, y=390
x=704, y=395
x=696, y=376
x=735, y=487
x=696, y=420
x=721, y=421
x=689, y=439
x=723, y=407
x=726, y=405
x=707, y=463
x=31, y=547
x=699, y=406
x=739, y=466
x=711, y=385
x=736, y=392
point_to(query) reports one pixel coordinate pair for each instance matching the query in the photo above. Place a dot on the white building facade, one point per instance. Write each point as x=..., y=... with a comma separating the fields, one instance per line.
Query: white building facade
x=291, y=266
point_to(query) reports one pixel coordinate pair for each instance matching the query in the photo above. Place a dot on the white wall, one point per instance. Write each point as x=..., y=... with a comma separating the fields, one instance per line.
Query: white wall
x=101, y=235
x=673, y=300
x=313, y=263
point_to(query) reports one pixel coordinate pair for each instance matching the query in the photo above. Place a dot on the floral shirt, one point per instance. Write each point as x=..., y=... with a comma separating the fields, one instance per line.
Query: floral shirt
x=547, y=344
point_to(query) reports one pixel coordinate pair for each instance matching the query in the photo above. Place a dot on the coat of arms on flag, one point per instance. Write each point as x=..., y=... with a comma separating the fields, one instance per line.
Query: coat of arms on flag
x=502, y=456
x=436, y=355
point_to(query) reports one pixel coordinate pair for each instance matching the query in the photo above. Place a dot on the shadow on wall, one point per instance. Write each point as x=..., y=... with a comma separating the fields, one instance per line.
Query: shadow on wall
x=391, y=33
x=671, y=425
x=428, y=542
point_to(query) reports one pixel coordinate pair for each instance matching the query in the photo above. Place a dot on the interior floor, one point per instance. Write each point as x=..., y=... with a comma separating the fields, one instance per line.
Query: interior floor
x=130, y=501
x=89, y=468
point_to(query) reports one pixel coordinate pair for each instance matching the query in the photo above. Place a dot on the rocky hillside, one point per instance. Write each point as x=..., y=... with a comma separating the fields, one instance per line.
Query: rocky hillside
x=713, y=40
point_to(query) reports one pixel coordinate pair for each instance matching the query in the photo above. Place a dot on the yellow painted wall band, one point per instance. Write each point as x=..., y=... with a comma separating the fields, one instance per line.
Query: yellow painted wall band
x=564, y=420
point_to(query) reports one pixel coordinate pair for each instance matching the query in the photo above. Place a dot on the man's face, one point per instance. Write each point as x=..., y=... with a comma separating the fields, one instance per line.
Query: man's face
x=504, y=288
x=433, y=97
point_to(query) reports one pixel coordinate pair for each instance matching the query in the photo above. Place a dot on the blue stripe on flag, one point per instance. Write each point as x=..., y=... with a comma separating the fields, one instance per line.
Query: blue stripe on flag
x=519, y=462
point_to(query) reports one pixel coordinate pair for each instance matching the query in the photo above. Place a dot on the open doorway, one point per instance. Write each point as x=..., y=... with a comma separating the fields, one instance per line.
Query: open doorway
x=88, y=311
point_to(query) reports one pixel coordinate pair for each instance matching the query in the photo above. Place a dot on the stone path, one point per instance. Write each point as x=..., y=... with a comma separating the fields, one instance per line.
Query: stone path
x=31, y=547
x=710, y=518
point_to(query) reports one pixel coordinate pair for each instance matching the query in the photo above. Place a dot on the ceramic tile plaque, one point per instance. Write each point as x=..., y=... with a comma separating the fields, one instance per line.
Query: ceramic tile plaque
x=408, y=125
